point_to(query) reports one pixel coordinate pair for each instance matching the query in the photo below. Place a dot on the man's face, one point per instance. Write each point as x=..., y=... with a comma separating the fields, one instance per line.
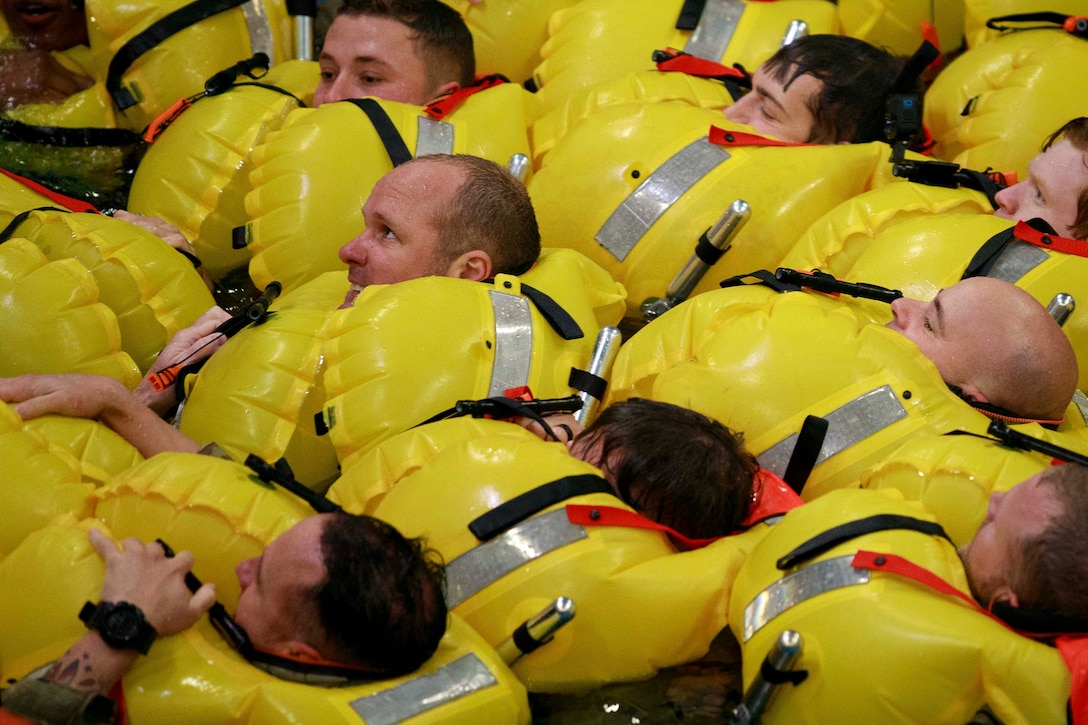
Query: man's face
x=371, y=56
x=1055, y=180
x=401, y=239
x=45, y=24
x=777, y=111
x=273, y=608
x=991, y=559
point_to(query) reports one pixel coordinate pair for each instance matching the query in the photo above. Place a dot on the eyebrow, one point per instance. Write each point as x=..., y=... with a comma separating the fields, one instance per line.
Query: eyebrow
x=938, y=313
x=765, y=94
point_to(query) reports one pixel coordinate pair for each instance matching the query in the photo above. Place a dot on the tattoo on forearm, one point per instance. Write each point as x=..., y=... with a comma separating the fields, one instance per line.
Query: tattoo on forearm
x=67, y=671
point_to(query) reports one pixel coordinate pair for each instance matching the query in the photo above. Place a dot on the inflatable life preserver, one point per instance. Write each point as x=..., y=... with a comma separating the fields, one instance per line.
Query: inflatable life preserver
x=102, y=454
x=384, y=377
x=187, y=499
x=639, y=605
x=920, y=239
x=878, y=647
x=650, y=183
x=309, y=182
x=596, y=40
x=153, y=290
x=196, y=174
x=953, y=477
x=56, y=301
x=259, y=393
x=736, y=355
x=993, y=106
x=507, y=35
x=40, y=482
x=977, y=12
x=897, y=26
x=648, y=86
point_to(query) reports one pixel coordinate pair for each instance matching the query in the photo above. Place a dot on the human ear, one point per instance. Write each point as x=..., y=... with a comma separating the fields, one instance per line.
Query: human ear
x=473, y=265
x=972, y=394
x=445, y=88
x=297, y=650
x=1004, y=593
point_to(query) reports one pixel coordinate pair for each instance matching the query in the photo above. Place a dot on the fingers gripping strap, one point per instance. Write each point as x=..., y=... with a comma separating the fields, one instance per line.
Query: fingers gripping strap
x=386, y=129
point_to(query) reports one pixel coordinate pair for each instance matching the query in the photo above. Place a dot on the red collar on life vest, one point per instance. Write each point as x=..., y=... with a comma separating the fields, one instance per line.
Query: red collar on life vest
x=445, y=105
x=1027, y=233
x=60, y=199
x=721, y=137
x=671, y=60
x=772, y=497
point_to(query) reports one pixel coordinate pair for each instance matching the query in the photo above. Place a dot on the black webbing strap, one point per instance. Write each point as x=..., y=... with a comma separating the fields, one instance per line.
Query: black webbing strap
x=690, y=13
x=775, y=676
x=152, y=36
x=803, y=459
x=557, y=317
x=1040, y=17
x=707, y=252
x=66, y=137
x=761, y=277
x=524, y=640
x=239, y=237
x=587, y=382
x=9, y=231
x=386, y=129
x=841, y=534
x=513, y=512
x=987, y=254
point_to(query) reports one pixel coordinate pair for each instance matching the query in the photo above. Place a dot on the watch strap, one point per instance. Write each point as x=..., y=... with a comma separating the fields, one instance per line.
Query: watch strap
x=99, y=616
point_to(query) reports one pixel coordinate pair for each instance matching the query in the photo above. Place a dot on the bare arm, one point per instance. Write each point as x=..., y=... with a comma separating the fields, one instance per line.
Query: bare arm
x=99, y=398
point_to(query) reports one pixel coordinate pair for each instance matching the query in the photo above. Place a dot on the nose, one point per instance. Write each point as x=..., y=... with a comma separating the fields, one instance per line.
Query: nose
x=1008, y=199
x=354, y=251
x=246, y=571
x=900, y=312
x=741, y=111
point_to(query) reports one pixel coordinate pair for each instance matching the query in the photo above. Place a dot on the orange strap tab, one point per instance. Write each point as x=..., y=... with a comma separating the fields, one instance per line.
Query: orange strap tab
x=675, y=61
x=585, y=515
x=164, y=378
x=1026, y=233
x=445, y=105
x=67, y=202
x=167, y=117
x=771, y=496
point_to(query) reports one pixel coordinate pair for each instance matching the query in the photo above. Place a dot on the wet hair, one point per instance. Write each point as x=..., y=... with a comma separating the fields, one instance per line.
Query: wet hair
x=857, y=78
x=1054, y=564
x=490, y=211
x=675, y=466
x=383, y=604
x=442, y=39
x=1076, y=132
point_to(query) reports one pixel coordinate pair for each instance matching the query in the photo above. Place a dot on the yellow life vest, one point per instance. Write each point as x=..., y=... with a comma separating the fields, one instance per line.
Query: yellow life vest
x=921, y=239
x=507, y=37
x=153, y=290
x=41, y=482
x=196, y=174
x=311, y=178
x=953, y=477
x=878, y=647
x=101, y=453
x=599, y=40
x=639, y=605
x=56, y=301
x=383, y=375
x=897, y=27
x=993, y=106
x=650, y=184
x=735, y=355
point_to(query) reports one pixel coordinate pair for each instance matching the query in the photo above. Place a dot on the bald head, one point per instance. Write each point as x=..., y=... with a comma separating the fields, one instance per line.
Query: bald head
x=997, y=343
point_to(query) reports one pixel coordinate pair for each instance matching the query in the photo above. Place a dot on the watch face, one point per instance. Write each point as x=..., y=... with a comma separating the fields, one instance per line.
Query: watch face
x=124, y=623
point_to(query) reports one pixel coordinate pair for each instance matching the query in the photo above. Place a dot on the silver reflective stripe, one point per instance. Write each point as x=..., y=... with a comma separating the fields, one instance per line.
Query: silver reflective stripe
x=464, y=676
x=1081, y=401
x=1016, y=260
x=513, y=342
x=712, y=35
x=433, y=137
x=489, y=562
x=852, y=423
x=653, y=197
x=792, y=589
x=259, y=29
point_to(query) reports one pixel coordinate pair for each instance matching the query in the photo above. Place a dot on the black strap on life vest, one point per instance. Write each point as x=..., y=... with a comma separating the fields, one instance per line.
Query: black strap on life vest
x=841, y=534
x=560, y=320
x=280, y=473
x=152, y=36
x=386, y=130
x=1076, y=26
x=987, y=255
x=805, y=452
x=66, y=137
x=587, y=382
x=1015, y=439
x=950, y=176
x=690, y=13
x=511, y=513
x=760, y=277
x=1037, y=623
x=9, y=231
